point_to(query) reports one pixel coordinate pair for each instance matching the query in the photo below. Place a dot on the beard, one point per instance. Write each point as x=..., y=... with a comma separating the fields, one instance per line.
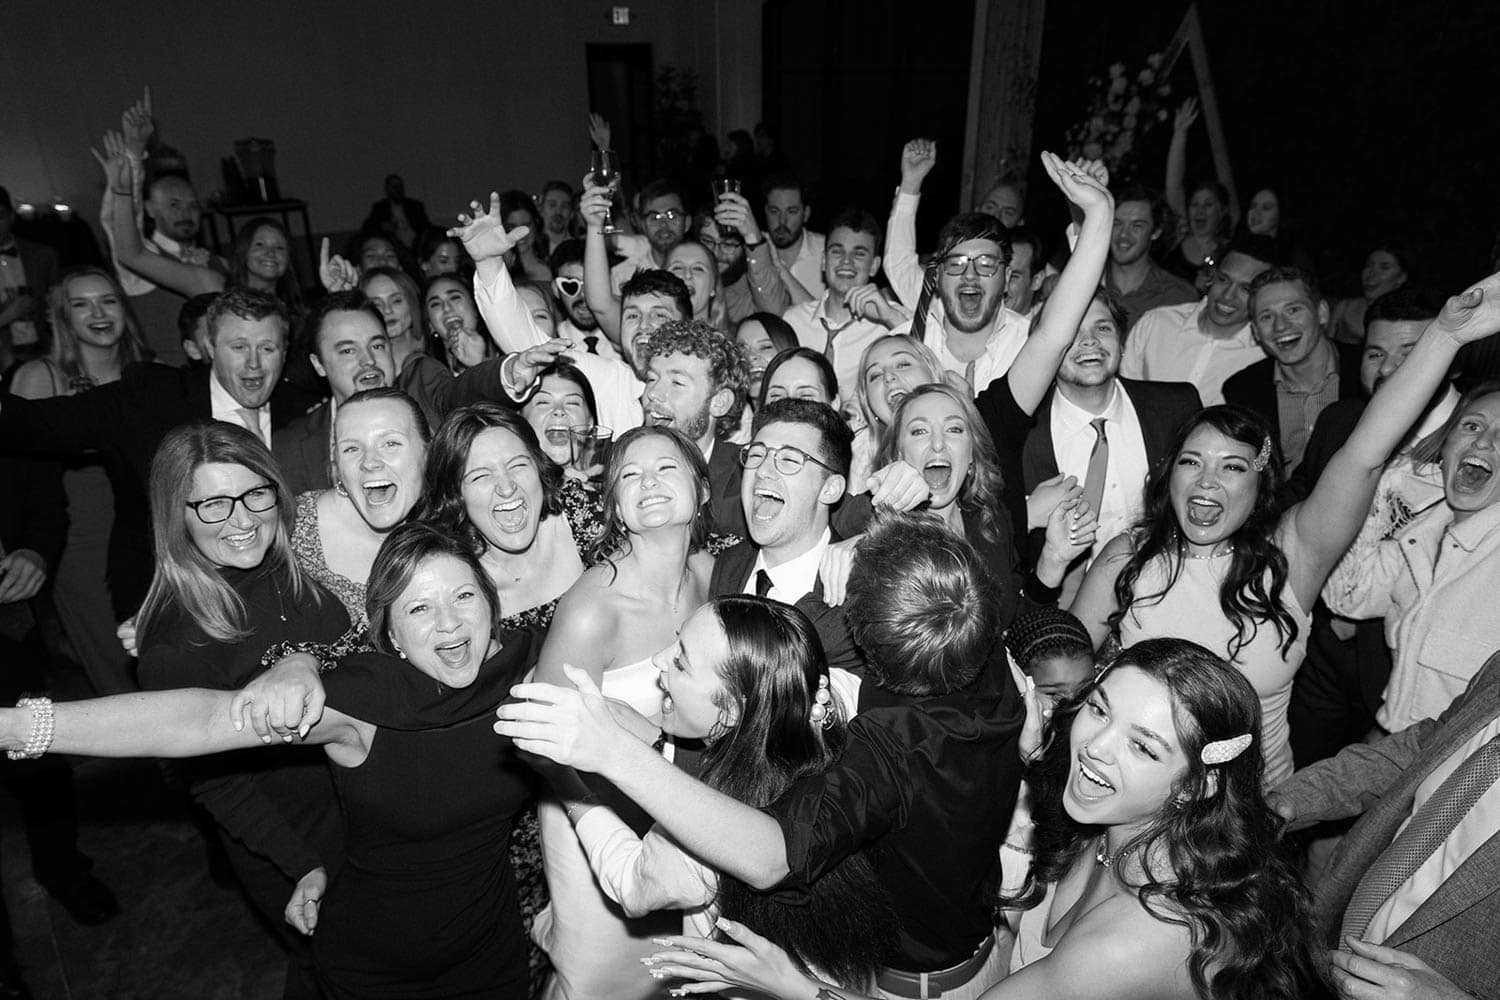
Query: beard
x=783, y=237
x=695, y=426
x=582, y=316
x=734, y=272
x=964, y=315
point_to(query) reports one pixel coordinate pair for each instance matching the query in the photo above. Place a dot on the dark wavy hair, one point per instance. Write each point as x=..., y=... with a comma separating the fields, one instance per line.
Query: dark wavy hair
x=817, y=359
x=288, y=287
x=1232, y=882
x=443, y=498
x=771, y=675
x=614, y=540
x=1244, y=597
x=980, y=495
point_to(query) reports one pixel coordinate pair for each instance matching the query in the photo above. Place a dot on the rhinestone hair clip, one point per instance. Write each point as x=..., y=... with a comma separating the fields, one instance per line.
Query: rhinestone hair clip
x=1224, y=751
x=1263, y=459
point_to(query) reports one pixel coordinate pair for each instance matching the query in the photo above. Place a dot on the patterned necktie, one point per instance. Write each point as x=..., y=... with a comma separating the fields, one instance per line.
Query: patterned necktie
x=762, y=583
x=1093, y=480
x=1433, y=823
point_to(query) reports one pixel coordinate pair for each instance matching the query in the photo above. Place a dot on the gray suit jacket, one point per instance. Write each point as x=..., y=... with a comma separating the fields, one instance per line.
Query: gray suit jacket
x=1455, y=930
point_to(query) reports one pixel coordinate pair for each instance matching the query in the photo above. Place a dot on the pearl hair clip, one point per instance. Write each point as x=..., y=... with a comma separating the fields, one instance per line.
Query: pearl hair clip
x=1224, y=751
x=1263, y=459
x=822, y=712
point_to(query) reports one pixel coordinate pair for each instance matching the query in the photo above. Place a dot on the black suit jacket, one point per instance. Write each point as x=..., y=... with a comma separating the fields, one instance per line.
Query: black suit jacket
x=731, y=574
x=301, y=448
x=1254, y=388
x=1161, y=407
x=124, y=422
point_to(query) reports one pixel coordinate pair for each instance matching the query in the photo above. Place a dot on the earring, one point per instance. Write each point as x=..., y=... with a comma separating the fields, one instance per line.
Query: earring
x=400, y=652
x=338, y=487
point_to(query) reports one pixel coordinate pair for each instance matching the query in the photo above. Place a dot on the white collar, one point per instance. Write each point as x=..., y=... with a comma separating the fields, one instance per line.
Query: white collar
x=1075, y=418
x=798, y=575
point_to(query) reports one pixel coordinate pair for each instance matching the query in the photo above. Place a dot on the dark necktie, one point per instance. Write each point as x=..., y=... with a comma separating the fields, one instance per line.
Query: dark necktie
x=762, y=583
x=1093, y=480
x=1433, y=823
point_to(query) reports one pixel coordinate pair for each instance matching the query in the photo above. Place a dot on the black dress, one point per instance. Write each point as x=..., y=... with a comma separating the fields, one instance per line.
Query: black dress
x=276, y=805
x=425, y=905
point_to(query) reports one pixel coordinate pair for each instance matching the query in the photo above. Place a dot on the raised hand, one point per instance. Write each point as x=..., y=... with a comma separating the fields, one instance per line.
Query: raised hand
x=1187, y=113
x=734, y=211
x=917, y=159
x=599, y=131
x=484, y=234
x=595, y=203
x=302, y=909
x=1474, y=313
x=1071, y=529
x=336, y=273
x=570, y=726
x=869, y=302
x=115, y=162
x=898, y=486
x=530, y=362
x=137, y=124
x=1047, y=495
x=1078, y=184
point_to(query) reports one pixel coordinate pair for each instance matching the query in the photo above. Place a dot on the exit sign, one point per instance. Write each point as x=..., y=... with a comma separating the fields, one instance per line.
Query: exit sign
x=619, y=16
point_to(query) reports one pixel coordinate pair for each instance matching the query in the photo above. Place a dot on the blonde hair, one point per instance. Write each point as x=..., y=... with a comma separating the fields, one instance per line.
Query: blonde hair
x=64, y=352
x=185, y=580
x=923, y=353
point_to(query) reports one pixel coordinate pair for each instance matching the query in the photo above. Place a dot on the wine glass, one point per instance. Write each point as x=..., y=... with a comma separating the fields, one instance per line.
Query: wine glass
x=606, y=173
x=723, y=186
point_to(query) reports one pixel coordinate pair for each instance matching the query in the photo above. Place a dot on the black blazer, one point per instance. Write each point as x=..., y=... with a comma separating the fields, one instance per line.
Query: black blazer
x=1161, y=407
x=731, y=574
x=1254, y=388
x=33, y=508
x=124, y=422
x=301, y=449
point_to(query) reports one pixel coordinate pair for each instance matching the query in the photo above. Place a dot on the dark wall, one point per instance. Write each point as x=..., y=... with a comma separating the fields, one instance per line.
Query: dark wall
x=1376, y=117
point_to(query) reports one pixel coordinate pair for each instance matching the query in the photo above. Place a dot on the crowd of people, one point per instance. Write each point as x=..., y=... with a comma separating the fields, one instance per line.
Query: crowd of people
x=682, y=599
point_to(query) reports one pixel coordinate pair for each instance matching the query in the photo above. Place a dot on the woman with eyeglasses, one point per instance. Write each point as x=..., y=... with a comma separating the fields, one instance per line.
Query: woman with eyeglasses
x=226, y=590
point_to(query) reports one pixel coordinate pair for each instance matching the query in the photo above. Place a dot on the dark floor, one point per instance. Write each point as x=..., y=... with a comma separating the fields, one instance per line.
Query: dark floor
x=179, y=934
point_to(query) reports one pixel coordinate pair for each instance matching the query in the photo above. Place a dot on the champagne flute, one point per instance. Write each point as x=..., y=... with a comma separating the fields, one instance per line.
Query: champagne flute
x=605, y=170
x=723, y=186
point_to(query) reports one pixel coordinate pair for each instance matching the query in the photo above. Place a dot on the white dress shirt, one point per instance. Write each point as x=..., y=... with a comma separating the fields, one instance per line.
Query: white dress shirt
x=1478, y=825
x=794, y=579
x=1073, y=437
x=902, y=266
x=1166, y=345
x=226, y=408
x=811, y=323
x=1006, y=339
x=807, y=268
x=603, y=346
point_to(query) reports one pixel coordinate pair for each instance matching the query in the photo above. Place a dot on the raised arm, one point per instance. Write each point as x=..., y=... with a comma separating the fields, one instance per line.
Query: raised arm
x=1086, y=187
x=485, y=238
x=902, y=268
x=594, y=205
x=1323, y=526
x=1176, y=195
x=129, y=249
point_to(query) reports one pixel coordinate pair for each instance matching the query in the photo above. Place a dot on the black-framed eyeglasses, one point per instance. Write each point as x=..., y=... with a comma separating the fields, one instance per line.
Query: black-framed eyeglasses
x=216, y=510
x=568, y=286
x=713, y=245
x=787, y=460
x=670, y=215
x=987, y=264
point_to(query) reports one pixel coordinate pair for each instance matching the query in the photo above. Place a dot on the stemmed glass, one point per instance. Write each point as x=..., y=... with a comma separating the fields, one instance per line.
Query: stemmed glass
x=606, y=173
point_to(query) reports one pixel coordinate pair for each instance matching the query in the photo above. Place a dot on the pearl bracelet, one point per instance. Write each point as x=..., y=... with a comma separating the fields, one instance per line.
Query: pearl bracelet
x=43, y=725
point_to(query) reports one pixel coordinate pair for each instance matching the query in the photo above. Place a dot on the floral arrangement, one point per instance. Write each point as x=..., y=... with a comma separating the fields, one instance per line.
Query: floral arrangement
x=1123, y=108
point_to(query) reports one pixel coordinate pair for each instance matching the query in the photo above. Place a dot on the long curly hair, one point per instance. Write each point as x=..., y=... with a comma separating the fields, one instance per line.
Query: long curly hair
x=1245, y=597
x=980, y=496
x=771, y=677
x=1229, y=878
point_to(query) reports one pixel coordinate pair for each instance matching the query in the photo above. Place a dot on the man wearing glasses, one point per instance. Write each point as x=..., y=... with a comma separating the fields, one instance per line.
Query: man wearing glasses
x=1207, y=341
x=795, y=467
x=749, y=278
x=661, y=214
